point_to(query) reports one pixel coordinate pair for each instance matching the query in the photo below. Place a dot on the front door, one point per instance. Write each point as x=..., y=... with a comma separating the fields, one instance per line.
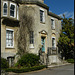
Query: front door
x=43, y=43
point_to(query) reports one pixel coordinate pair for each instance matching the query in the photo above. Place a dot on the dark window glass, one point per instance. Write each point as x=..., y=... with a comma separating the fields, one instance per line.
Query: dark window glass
x=12, y=10
x=31, y=37
x=5, y=9
x=41, y=15
x=52, y=24
x=53, y=42
x=52, y=21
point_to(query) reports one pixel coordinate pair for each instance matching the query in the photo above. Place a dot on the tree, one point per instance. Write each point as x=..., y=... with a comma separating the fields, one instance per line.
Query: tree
x=66, y=40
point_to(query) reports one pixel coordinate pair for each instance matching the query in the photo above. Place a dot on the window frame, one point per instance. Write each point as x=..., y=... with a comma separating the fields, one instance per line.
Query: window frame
x=13, y=38
x=43, y=21
x=31, y=44
x=17, y=12
x=32, y=37
x=14, y=9
x=54, y=41
x=52, y=25
x=3, y=7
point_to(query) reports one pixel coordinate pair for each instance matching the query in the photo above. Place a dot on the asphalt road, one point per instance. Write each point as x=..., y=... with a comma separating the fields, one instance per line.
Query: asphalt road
x=62, y=70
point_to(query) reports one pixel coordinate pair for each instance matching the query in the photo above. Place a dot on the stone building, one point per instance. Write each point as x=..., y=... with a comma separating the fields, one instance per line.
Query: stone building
x=44, y=35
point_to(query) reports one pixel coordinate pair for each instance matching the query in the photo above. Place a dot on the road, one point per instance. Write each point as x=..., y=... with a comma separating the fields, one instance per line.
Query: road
x=62, y=70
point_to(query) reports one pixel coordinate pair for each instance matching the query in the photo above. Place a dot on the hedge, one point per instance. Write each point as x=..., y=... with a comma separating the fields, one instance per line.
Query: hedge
x=21, y=70
x=4, y=63
x=28, y=60
x=70, y=60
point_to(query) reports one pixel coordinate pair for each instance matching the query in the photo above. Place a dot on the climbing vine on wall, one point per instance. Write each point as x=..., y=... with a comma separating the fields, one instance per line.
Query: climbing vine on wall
x=26, y=22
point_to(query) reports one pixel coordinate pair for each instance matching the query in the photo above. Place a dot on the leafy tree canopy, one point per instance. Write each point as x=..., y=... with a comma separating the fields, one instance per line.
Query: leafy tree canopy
x=66, y=40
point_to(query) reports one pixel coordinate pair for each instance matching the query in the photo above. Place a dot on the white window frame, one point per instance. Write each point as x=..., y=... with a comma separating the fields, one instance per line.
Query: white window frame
x=55, y=41
x=14, y=10
x=13, y=38
x=53, y=26
x=17, y=12
x=3, y=7
x=43, y=15
x=32, y=44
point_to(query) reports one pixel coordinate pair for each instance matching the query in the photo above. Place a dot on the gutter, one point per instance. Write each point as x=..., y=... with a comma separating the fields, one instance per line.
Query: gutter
x=39, y=4
x=54, y=15
x=34, y=2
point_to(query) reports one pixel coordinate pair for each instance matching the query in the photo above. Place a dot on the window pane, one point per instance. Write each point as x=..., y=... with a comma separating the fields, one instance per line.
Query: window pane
x=12, y=10
x=52, y=21
x=5, y=5
x=11, y=13
x=31, y=38
x=5, y=9
x=9, y=38
x=6, y=42
x=41, y=15
x=12, y=7
x=52, y=24
x=53, y=42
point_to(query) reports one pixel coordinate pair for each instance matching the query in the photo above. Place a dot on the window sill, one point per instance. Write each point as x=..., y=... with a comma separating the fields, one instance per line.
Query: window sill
x=43, y=51
x=53, y=29
x=42, y=22
x=9, y=48
x=10, y=18
x=31, y=46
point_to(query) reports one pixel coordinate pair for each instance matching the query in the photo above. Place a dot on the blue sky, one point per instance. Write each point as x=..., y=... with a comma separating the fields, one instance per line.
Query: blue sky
x=60, y=7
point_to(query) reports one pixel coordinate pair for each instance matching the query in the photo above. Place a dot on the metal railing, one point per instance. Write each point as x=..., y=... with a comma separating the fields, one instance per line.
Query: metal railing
x=52, y=51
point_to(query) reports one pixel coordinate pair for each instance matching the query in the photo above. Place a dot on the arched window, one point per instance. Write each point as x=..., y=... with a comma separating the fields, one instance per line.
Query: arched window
x=12, y=10
x=5, y=9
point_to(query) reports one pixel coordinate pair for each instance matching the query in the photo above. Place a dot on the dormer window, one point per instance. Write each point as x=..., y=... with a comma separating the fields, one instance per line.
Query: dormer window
x=12, y=10
x=5, y=8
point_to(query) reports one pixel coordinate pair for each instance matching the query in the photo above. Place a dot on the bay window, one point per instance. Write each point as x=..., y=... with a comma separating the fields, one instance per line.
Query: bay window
x=10, y=9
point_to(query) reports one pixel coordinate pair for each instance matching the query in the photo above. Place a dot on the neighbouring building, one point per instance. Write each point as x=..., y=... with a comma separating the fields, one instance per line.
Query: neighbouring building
x=44, y=35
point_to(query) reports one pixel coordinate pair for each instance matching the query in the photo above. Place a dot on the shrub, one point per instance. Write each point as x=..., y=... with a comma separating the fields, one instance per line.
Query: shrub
x=4, y=63
x=70, y=60
x=29, y=60
x=21, y=70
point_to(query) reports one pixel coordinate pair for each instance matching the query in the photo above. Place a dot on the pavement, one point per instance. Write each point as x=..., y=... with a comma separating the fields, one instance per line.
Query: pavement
x=60, y=64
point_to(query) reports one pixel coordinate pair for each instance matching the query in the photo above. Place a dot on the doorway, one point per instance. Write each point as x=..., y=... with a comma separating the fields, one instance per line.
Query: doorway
x=43, y=43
